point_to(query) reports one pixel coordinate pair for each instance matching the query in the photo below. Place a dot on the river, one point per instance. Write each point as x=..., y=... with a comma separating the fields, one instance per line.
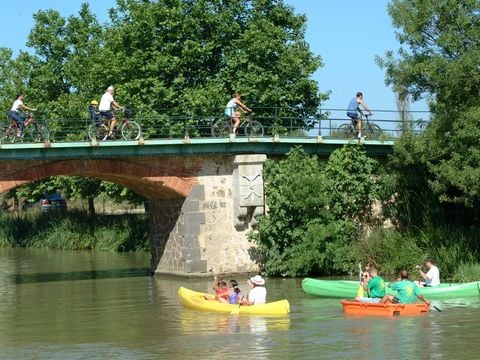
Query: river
x=87, y=305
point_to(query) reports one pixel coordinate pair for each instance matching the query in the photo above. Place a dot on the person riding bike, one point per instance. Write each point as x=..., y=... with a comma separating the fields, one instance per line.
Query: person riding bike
x=230, y=110
x=15, y=113
x=354, y=112
x=105, y=107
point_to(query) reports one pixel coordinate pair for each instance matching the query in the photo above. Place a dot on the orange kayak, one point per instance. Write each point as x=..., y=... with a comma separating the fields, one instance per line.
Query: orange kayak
x=359, y=308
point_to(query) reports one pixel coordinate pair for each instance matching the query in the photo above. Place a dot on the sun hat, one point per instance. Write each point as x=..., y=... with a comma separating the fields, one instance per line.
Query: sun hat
x=257, y=280
x=94, y=102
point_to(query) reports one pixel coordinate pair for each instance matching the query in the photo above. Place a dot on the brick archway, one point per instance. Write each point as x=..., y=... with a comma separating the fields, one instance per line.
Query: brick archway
x=152, y=178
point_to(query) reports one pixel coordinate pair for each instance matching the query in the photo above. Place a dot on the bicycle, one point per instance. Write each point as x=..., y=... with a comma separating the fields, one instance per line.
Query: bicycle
x=350, y=130
x=33, y=131
x=125, y=127
x=224, y=127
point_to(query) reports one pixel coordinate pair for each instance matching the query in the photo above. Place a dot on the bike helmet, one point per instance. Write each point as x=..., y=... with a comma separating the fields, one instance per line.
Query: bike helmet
x=94, y=102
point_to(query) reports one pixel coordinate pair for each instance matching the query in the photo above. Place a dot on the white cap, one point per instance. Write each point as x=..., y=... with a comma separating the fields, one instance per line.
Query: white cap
x=110, y=88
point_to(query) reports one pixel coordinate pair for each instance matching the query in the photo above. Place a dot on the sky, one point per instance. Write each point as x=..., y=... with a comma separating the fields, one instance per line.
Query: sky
x=347, y=34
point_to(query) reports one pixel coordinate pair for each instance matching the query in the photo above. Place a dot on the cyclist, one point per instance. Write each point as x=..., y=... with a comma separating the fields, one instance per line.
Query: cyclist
x=105, y=108
x=230, y=110
x=93, y=112
x=354, y=112
x=15, y=113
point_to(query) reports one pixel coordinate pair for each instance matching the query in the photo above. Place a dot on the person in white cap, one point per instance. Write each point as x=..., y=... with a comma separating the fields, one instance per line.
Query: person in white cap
x=105, y=107
x=258, y=292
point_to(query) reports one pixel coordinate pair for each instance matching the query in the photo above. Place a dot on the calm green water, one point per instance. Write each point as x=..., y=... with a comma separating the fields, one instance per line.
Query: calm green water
x=82, y=305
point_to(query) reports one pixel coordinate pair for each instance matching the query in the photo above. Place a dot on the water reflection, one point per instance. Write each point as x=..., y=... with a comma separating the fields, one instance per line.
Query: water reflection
x=77, y=275
x=193, y=321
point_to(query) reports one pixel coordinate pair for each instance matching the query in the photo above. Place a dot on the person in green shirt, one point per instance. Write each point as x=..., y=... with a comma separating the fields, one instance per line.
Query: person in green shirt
x=375, y=288
x=408, y=291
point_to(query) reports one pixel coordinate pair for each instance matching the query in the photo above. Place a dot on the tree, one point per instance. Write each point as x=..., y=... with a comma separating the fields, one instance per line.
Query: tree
x=315, y=215
x=191, y=55
x=440, y=60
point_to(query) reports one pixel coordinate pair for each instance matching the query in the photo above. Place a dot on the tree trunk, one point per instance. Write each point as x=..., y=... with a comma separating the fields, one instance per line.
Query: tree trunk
x=91, y=206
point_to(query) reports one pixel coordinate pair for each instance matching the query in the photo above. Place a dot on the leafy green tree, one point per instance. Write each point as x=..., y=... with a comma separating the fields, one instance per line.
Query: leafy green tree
x=440, y=59
x=191, y=55
x=314, y=215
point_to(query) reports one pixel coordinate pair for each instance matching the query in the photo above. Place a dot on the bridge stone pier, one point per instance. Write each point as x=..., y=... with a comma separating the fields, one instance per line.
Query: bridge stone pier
x=201, y=207
x=206, y=231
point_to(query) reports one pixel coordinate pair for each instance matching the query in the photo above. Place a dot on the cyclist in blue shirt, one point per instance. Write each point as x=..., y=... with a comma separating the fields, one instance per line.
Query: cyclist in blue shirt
x=354, y=112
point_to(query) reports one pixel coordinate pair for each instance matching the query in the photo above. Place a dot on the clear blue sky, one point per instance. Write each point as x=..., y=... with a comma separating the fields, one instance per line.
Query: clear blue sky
x=346, y=34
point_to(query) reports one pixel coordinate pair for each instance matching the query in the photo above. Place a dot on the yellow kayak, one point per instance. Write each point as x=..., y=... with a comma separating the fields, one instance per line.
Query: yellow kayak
x=196, y=300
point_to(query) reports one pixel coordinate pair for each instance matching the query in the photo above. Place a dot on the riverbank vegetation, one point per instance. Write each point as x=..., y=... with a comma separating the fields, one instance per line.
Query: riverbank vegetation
x=75, y=230
x=333, y=214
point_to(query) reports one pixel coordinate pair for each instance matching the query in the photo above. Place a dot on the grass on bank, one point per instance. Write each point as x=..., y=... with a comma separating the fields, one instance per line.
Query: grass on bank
x=75, y=230
x=456, y=252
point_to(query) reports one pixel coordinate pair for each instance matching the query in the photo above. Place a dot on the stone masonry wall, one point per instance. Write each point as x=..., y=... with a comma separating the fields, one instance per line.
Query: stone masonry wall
x=207, y=231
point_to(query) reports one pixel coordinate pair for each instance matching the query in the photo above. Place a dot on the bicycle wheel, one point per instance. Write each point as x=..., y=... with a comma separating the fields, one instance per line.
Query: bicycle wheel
x=131, y=130
x=221, y=128
x=373, y=131
x=96, y=132
x=8, y=136
x=40, y=134
x=345, y=131
x=253, y=128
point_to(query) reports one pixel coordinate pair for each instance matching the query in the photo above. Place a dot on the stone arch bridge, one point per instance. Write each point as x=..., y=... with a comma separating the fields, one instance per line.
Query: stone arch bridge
x=204, y=196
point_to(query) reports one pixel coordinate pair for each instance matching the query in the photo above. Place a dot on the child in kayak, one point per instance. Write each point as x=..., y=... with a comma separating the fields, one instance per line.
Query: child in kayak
x=233, y=294
x=221, y=290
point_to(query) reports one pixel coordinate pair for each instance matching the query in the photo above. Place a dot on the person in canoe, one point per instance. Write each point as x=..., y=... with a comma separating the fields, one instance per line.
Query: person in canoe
x=221, y=290
x=232, y=295
x=258, y=292
x=408, y=291
x=432, y=276
x=375, y=287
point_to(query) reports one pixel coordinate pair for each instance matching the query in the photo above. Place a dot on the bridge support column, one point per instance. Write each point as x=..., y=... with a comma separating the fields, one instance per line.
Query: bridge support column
x=206, y=232
x=174, y=231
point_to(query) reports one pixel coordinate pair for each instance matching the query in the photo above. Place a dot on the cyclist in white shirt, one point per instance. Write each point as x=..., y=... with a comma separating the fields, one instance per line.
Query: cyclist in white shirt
x=432, y=276
x=105, y=107
x=16, y=114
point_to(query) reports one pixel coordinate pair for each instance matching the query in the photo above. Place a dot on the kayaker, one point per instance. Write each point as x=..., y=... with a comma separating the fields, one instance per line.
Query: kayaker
x=432, y=276
x=408, y=291
x=232, y=295
x=258, y=292
x=375, y=288
x=221, y=290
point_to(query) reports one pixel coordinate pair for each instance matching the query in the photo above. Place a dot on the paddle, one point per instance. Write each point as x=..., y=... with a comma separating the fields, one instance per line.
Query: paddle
x=236, y=310
x=360, y=289
x=435, y=307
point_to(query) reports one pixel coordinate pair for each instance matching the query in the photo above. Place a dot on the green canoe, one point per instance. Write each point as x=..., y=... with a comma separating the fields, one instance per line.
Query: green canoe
x=347, y=289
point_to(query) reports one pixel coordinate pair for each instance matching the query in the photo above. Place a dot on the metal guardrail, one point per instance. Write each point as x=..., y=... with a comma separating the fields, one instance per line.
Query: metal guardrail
x=276, y=122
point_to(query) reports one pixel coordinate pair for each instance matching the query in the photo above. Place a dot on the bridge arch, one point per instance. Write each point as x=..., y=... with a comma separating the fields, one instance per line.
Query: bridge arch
x=201, y=206
x=152, y=182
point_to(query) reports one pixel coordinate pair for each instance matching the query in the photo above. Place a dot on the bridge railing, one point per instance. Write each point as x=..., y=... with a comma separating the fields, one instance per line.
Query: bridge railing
x=278, y=122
